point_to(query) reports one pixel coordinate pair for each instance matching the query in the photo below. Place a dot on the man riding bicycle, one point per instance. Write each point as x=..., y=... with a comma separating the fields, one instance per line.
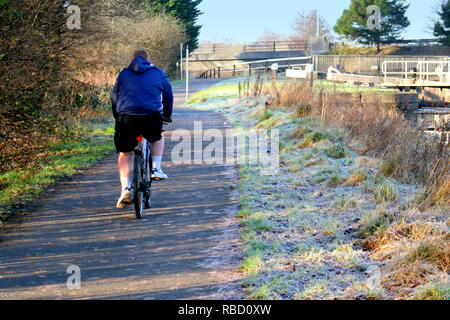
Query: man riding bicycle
x=142, y=102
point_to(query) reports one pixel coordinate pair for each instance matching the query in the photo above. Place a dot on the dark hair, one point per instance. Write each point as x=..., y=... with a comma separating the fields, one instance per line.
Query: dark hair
x=141, y=53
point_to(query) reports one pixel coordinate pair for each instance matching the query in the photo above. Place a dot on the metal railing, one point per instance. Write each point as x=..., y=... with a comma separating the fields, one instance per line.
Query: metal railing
x=408, y=67
x=365, y=64
x=253, y=67
x=433, y=70
x=263, y=46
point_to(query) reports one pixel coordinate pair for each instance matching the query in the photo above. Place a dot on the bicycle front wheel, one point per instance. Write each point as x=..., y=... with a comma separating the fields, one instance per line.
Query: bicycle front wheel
x=139, y=191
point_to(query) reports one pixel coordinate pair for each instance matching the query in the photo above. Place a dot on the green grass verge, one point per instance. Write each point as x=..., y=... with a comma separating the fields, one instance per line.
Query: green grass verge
x=63, y=160
x=219, y=92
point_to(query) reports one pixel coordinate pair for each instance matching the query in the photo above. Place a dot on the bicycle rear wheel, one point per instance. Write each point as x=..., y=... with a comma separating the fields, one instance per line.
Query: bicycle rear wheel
x=139, y=191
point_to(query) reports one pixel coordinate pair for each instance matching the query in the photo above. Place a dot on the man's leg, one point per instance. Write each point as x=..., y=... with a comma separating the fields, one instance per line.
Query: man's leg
x=126, y=167
x=157, y=154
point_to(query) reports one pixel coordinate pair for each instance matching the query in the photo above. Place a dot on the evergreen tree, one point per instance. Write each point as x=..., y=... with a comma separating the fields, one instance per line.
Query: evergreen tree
x=443, y=23
x=354, y=22
x=185, y=10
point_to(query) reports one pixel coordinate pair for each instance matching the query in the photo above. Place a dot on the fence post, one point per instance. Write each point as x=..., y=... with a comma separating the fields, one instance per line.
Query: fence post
x=249, y=69
x=274, y=46
x=234, y=70
x=218, y=72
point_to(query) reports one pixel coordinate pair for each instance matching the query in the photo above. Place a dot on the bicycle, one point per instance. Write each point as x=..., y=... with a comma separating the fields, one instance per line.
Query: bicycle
x=142, y=177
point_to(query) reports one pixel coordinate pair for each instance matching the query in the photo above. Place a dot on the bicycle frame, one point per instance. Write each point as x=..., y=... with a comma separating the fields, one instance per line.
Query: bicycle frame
x=143, y=149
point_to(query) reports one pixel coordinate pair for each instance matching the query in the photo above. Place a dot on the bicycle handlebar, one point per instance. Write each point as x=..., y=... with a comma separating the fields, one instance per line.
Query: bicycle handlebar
x=166, y=119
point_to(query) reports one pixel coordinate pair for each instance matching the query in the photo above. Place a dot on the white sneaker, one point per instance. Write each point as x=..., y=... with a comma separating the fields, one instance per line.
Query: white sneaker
x=158, y=175
x=125, y=199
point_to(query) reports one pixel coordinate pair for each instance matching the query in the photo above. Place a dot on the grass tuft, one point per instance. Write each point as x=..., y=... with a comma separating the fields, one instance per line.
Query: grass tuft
x=337, y=151
x=312, y=139
x=300, y=132
x=374, y=223
x=257, y=222
x=386, y=191
x=433, y=291
x=345, y=203
x=302, y=111
x=357, y=178
x=434, y=251
x=336, y=180
x=265, y=116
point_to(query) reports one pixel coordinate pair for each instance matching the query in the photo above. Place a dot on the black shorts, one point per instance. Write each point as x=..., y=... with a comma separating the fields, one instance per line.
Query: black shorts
x=129, y=127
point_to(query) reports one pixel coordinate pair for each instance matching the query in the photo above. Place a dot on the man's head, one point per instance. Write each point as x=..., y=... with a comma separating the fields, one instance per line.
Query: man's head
x=141, y=53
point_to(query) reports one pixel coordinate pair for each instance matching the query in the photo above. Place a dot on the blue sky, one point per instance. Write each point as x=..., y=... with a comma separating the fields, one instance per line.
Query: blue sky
x=246, y=20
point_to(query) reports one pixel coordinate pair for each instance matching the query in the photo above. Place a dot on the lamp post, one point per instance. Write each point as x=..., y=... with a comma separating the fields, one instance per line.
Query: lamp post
x=181, y=61
x=187, y=72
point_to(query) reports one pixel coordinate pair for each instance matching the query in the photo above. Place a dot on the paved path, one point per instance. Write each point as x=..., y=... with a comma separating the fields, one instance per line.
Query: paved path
x=186, y=248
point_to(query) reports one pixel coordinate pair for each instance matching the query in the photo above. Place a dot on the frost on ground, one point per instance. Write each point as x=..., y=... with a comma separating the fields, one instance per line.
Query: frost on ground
x=329, y=225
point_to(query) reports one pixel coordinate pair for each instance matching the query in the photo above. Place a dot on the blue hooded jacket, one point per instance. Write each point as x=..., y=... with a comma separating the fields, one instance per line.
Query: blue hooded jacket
x=142, y=89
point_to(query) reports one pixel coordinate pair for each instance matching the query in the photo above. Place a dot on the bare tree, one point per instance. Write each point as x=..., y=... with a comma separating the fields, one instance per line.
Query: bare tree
x=306, y=24
x=269, y=35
